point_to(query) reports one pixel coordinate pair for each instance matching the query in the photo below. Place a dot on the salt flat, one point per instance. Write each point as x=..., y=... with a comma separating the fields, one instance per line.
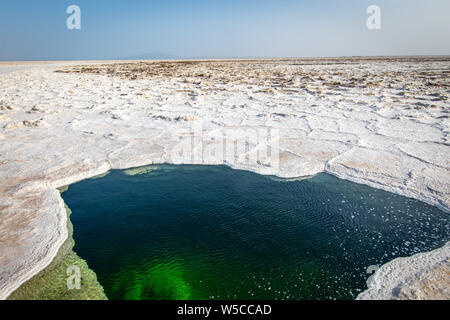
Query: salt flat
x=383, y=122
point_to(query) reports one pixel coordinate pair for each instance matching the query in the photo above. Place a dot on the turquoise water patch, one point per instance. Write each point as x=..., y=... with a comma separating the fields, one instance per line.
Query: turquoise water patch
x=210, y=232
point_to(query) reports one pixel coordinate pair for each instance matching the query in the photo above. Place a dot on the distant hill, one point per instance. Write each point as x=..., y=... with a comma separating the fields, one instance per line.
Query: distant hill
x=151, y=56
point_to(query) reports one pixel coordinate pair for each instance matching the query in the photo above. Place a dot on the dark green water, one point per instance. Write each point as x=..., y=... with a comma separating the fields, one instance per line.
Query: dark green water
x=210, y=232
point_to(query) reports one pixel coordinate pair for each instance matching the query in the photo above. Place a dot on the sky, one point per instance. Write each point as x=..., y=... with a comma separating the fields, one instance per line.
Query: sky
x=114, y=29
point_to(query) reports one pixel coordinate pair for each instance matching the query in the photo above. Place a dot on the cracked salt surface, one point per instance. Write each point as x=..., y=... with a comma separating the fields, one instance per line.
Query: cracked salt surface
x=380, y=122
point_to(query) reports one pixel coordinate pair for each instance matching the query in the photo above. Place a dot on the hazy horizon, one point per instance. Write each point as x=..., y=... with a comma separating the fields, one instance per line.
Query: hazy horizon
x=226, y=58
x=200, y=29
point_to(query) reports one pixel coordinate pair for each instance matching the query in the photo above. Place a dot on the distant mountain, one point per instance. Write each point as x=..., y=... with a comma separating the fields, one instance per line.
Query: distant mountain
x=151, y=56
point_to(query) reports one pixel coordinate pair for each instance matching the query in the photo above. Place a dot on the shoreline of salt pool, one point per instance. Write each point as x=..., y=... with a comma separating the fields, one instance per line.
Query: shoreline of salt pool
x=378, y=289
x=51, y=282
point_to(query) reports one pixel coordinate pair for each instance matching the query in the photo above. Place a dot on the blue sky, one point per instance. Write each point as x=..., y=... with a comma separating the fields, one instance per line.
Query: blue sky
x=111, y=29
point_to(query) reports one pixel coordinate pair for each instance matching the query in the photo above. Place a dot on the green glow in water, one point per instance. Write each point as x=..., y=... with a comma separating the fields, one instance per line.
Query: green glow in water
x=163, y=281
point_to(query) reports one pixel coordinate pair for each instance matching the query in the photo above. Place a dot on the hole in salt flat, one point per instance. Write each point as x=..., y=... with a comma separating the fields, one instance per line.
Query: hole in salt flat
x=211, y=232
